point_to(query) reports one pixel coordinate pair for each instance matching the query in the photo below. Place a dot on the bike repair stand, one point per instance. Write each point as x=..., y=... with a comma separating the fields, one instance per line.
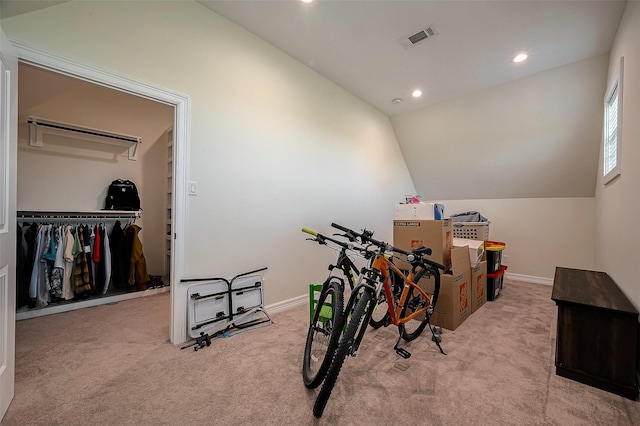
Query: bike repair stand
x=223, y=330
x=205, y=339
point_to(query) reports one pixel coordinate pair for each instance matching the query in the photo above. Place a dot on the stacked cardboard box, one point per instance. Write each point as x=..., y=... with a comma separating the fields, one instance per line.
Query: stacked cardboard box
x=478, y=285
x=477, y=257
x=463, y=289
x=454, y=300
x=435, y=234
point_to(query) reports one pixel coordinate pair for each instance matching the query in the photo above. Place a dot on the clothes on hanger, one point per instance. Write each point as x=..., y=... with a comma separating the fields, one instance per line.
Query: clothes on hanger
x=57, y=272
x=67, y=289
x=81, y=277
x=120, y=257
x=71, y=261
x=106, y=258
x=22, y=273
x=138, y=276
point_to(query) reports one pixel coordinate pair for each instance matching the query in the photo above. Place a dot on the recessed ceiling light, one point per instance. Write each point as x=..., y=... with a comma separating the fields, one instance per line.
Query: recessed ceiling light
x=396, y=101
x=417, y=93
x=306, y=1
x=520, y=57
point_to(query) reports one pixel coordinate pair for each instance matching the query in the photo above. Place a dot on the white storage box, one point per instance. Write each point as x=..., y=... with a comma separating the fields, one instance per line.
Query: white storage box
x=246, y=294
x=419, y=211
x=208, y=306
x=471, y=230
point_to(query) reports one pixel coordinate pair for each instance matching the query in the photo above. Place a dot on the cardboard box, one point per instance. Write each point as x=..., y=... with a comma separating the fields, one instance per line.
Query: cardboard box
x=476, y=249
x=460, y=262
x=478, y=286
x=454, y=301
x=435, y=234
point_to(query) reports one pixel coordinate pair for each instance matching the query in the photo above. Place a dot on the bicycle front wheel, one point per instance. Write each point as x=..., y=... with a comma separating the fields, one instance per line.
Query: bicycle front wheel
x=323, y=335
x=380, y=315
x=345, y=347
x=414, y=302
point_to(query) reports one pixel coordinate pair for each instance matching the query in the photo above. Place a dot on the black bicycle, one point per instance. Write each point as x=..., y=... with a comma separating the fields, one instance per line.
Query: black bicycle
x=327, y=321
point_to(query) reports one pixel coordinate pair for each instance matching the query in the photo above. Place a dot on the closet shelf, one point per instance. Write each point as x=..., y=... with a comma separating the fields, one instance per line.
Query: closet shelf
x=39, y=127
x=88, y=214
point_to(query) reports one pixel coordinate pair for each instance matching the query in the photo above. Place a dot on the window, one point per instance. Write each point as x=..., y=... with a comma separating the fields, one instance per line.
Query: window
x=612, y=127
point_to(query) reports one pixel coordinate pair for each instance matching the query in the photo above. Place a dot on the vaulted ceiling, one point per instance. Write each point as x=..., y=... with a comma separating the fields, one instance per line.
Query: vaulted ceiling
x=356, y=44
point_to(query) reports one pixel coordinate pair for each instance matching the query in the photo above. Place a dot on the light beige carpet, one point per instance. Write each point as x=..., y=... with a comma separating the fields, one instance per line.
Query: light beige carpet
x=113, y=364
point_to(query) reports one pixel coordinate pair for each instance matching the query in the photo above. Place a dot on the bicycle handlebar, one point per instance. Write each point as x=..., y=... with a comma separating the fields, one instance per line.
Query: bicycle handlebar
x=366, y=237
x=434, y=264
x=321, y=239
x=310, y=232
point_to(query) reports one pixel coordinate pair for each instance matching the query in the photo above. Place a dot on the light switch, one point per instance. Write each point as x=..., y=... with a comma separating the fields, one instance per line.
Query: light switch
x=193, y=188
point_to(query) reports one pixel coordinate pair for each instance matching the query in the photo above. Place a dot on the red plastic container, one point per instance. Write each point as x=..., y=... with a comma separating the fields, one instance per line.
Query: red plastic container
x=494, y=283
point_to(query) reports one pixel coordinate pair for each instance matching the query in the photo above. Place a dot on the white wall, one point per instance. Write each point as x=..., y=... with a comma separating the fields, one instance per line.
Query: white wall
x=618, y=203
x=534, y=137
x=540, y=233
x=274, y=146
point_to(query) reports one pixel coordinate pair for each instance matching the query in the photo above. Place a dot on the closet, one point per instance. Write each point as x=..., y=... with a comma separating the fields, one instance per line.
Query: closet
x=53, y=245
x=74, y=138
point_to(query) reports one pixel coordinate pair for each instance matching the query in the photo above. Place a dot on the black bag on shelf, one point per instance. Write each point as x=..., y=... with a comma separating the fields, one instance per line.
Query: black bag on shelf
x=122, y=195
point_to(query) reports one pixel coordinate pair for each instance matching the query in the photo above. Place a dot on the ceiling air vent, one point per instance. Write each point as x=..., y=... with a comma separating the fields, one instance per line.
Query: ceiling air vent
x=410, y=40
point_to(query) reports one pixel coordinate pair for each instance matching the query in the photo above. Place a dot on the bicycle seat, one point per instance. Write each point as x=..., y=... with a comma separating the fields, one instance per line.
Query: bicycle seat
x=422, y=250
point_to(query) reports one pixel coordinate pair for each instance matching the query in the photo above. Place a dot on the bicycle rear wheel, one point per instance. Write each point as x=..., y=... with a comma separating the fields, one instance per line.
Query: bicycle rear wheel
x=323, y=335
x=345, y=347
x=414, y=302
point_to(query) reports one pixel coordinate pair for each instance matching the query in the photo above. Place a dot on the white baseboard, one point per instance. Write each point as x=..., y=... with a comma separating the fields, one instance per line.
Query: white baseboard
x=302, y=300
x=528, y=278
x=287, y=304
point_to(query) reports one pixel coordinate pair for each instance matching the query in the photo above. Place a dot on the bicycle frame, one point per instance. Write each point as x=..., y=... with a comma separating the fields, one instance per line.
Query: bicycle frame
x=346, y=265
x=344, y=262
x=383, y=265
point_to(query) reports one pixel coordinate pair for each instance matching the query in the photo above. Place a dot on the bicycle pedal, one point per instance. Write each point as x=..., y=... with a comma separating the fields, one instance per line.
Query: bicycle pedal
x=403, y=353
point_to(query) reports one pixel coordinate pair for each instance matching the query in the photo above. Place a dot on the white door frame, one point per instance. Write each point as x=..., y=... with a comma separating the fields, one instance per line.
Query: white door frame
x=181, y=103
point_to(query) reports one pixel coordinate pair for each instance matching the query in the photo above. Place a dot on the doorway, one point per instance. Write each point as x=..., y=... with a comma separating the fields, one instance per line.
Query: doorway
x=178, y=151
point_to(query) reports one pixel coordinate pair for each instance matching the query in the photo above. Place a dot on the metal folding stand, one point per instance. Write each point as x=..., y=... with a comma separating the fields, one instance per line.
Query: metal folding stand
x=235, y=322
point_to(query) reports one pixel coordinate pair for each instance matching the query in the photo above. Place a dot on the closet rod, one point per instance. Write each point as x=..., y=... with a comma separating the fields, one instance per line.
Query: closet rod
x=85, y=215
x=39, y=127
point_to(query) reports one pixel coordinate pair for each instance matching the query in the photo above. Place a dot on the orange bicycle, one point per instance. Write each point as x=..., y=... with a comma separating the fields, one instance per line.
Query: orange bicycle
x=409, y=309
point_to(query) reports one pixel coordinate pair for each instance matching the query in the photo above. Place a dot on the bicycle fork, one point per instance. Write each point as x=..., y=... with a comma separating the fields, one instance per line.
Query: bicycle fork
x=365, y=318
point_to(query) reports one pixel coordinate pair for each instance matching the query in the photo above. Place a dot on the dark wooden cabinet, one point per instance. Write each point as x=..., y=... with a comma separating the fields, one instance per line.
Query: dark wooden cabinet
x=597, y=338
